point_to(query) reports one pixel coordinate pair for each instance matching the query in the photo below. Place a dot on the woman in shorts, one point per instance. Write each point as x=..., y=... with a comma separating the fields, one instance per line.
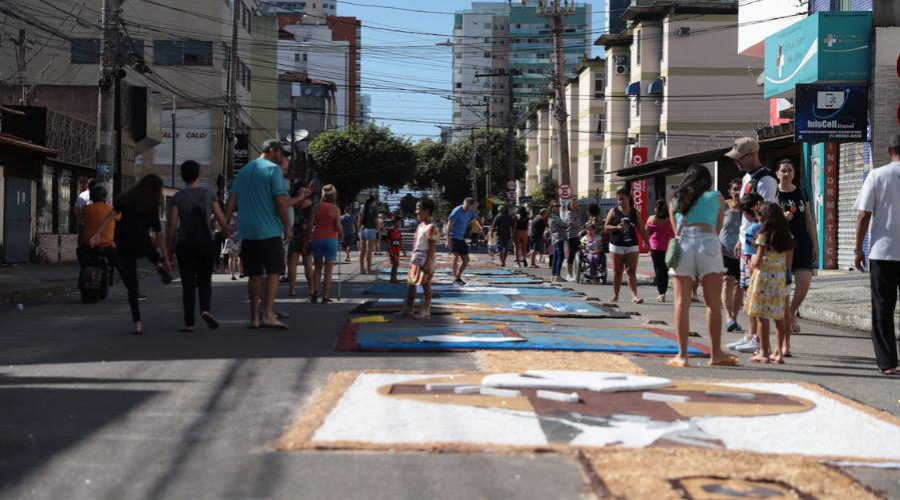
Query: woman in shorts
x=368, y=234
x=623, y=224
x=324, y=242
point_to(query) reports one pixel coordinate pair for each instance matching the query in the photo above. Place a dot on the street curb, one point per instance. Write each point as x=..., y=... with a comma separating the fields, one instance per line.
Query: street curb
x=52, y=290
x=817, y=314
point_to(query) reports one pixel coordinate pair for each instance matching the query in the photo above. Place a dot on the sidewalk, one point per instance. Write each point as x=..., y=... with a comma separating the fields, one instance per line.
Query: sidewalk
x=25, y=282
x=838, y=298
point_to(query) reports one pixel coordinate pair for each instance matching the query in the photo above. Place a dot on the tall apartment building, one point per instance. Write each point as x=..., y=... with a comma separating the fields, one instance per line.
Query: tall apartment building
x=317, y=10
x=495, y=37
x=187, y=56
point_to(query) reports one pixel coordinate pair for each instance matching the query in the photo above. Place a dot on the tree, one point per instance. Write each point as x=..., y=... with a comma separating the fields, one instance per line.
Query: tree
x=363, y=156
x=543, y=193
x=408, y=204
x=453, y=173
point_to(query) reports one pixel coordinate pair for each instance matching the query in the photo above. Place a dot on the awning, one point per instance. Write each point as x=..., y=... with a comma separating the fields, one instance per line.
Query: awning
x=633, y=89
x=655, y=87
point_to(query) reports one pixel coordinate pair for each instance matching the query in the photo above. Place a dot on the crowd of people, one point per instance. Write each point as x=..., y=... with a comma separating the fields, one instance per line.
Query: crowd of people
x=752, y=251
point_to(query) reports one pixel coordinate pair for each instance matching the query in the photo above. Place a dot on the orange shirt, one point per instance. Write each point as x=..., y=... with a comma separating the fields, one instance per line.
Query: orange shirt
x=93, y=216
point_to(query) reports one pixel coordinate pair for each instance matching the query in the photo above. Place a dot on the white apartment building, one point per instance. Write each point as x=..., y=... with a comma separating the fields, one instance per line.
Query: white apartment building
x=315, y=9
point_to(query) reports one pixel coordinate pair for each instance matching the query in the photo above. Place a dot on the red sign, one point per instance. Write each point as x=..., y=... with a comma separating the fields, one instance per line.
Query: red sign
x=639, y=195
x=638, y=156
x=565, y=192
x=830, y=206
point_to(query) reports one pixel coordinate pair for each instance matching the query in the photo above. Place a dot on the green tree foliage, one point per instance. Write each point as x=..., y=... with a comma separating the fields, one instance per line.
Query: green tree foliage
x=453, y=173
x=543, y=193
x=363, y=156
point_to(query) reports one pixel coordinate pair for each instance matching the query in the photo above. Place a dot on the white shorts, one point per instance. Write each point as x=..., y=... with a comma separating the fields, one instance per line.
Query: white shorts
x=701, y=254
x=616, y=249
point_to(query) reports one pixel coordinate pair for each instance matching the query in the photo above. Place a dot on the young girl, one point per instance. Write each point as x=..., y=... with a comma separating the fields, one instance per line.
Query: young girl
x=395, y=244
x=768, y=285
x=591, y=245
x=233, y=249
x=421, y=262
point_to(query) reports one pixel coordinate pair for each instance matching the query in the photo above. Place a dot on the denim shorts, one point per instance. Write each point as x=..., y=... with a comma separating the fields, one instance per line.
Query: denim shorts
x=326, y=249
x=368, y=234
x=701, y=254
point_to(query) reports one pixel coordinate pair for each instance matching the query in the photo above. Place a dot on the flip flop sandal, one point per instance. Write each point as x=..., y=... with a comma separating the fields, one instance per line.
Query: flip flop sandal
x=730, y=361
x=210, y=321
x=276, y=326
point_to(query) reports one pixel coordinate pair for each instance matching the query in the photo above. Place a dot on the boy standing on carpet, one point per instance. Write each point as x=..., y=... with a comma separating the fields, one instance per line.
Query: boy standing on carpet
x=421, y=261
x=395, y=244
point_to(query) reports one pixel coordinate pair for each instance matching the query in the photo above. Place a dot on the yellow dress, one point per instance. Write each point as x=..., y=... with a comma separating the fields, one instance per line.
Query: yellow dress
x=768, y=286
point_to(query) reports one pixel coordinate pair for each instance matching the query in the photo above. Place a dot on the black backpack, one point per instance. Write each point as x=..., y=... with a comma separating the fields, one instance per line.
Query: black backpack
x=756, y=177
x=196, y=231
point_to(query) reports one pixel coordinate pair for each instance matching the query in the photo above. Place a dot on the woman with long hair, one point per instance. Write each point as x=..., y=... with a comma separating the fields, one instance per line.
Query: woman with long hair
x=660, y=229
x=795, y=205
x=324, y=242
x=520, y=236
x=139, y=211
x=368, y=234
x=622, y=224
x=697, y=209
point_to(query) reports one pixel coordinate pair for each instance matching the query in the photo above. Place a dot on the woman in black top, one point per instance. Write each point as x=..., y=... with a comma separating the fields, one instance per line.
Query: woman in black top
x=520, y=237
x=622, y=224
x=139, y=211
x=368, y=234
x=795, y=204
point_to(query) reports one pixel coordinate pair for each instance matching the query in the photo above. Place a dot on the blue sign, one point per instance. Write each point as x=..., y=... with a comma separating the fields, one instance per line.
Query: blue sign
x=824, y=47
x=831, y=113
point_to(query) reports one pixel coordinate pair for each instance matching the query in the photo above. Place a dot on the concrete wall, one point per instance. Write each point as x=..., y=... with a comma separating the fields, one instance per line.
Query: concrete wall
x=617, y=117
x=886, y=90
x=590, y=144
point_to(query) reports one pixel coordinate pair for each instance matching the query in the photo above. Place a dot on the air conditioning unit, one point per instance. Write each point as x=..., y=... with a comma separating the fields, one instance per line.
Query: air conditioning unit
x=684, y=31
x=621, y=69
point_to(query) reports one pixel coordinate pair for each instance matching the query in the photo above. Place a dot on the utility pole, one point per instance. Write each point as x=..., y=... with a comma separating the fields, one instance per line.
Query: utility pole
x=110, y=73
x=293, y=160
x=487, y=161
x=231, y=99
x=510, y=120
x=556, y=12
x=20, y=63
x=174, y=140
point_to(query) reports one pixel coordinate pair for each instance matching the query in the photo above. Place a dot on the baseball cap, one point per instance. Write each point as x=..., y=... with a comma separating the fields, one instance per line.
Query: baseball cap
x=275, y=143
x=742, y=147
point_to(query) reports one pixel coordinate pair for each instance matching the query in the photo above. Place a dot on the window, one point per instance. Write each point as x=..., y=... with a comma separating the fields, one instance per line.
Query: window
x=487, y=55
x=598, y=168
x=459, y=85
x=637, y=47
x=599, y=87
x=182, y=53
x=600, y=120
x=296, y=57
x=487, y=26
x=85, y=51
x=65, y=199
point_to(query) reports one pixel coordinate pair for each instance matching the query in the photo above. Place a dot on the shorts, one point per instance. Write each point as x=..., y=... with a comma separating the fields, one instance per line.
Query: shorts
x=732, y=267
x=701, y=254
x=324, y=249
x=348, y=240
x=616, y=249
x=299, y=245
x=368, y=234
x=459, y=247
x=263, y=256
x=745, y=271
x=502, y=246
x=395, y=259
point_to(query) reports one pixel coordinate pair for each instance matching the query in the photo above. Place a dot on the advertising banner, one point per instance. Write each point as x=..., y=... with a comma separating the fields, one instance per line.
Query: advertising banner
x=640, y=196
x=830, y=250
x=193, y=137
x=831, y=113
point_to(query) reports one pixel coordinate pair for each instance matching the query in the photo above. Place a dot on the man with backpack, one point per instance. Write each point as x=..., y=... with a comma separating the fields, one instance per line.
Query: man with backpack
x=191, y=236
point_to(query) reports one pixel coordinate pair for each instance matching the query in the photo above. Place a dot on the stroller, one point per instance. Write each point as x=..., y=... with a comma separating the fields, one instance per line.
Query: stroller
x=582, y=266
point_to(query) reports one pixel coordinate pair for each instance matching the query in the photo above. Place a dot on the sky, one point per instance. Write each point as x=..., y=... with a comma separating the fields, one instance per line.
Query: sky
x=397, y=66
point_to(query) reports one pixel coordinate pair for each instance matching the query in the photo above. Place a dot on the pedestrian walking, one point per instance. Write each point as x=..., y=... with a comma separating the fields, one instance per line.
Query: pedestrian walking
x=368, y=234
x=697, y=210
x=395, y=245
x=348, y=226
x=138, y=213
x=421, y=261
x=190, y=237
x=591, y=245
x=520, y=237
x=659, y=227
x=327, y=233
x=233, y=248
x=457, y=224
x=795, y=204
x=536, y=236
x=259, y=195
x=573, y=238
x=558, y=236
x=623, y=224
x=298, y=246
x=878, y=215
x=768, y=283
x=729, y=237
x=502, y=228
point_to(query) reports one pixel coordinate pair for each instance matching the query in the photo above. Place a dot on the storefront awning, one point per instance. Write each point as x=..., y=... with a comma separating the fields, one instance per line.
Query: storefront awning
x=633, y=89
x=655, y=87
x=669, y=166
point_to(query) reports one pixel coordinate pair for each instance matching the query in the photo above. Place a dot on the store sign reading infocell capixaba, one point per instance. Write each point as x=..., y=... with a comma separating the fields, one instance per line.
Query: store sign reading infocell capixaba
x=831, y=113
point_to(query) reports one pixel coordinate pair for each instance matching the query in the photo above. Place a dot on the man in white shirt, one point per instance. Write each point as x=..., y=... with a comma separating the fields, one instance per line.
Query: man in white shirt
x=879, y=212
x=83, y=199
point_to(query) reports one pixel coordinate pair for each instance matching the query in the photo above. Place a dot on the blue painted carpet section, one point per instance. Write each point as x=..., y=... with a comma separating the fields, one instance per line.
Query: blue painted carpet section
x=502, y=303
x=537, y=337
x=395, y=289
x=499, y=271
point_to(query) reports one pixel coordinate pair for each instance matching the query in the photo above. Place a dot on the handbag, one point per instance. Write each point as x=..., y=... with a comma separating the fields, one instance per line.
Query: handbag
x=673, y=252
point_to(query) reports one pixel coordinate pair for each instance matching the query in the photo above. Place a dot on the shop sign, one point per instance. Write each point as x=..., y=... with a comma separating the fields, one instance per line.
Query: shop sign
x=830, y=250
x=193, y=137
x=638, y=156
x=241, y=151
x=824, y=47
x=831, y=113
x=639, y=193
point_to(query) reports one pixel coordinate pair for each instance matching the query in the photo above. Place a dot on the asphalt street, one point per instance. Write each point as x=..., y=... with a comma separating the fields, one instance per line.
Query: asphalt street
x=88, y=411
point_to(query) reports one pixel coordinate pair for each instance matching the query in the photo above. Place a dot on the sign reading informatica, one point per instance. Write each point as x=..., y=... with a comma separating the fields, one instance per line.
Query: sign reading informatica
x=831, y=113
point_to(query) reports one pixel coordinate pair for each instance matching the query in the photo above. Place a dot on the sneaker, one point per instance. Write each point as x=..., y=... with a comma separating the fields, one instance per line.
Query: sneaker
x=751, y=345
x=743, y=340
x=459, y=282
x=732, y=326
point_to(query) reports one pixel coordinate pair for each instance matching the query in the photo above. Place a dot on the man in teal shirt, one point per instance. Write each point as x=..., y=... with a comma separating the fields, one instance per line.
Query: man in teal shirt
x=458, y=224
x=258, y=194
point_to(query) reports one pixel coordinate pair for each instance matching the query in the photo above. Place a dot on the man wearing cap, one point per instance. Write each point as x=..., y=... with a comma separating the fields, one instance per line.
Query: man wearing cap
x=259, y=195
x=757, y=179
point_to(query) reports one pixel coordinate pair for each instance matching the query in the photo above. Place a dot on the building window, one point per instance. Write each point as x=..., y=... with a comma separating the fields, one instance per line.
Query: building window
x=64, y=204
x=487, y=55
x=599, y=87
x=182, y=53
x=637, y=47
x=85, y=51
x=487, y=26
x=598, y=168
x=296, y=57
x=45, y=203
x=600, y=120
